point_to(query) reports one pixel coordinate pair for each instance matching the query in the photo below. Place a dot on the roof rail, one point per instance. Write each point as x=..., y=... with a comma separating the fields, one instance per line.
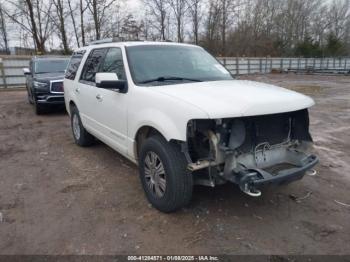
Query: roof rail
x=111, y=40
x=103, y=41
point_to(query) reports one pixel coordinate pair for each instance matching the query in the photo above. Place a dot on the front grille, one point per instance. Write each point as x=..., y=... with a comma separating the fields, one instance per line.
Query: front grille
x=57, y=86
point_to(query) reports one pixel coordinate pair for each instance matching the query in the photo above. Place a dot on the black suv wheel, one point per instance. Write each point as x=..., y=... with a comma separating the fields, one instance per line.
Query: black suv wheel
x=39, y=109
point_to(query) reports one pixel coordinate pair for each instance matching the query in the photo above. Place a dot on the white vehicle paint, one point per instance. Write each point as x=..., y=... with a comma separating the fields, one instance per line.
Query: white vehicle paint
x=116, y=117
x=169, y=108
x=236, y=98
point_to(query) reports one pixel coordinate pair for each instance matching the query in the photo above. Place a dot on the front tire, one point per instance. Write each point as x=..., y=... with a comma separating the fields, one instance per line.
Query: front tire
x=164, y=176
x=81, y=136
x=39, y=109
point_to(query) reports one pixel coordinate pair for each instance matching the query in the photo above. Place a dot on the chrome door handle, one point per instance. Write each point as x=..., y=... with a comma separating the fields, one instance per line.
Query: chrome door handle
x=77, y=90
x=99, y=97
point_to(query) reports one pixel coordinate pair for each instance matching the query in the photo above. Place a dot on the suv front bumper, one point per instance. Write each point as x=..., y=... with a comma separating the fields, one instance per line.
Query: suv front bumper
x=252, y=179
x=53, y=99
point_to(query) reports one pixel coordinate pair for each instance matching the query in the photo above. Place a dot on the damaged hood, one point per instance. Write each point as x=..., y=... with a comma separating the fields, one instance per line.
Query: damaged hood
x=235, y=98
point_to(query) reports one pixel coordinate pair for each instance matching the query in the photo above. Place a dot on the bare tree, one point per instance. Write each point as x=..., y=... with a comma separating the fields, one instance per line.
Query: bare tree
x=194, y=7
x=98, y=10
x=131, y=29
x=82, y=27
x=145, y=22
x=157, y=9
x=179, y=8
x=3, y=30
x=59, y=21
x=228, y=8
x=338, y=17
x=72, y=16
x=230, y=27
x=212, y=24
x=36, y=19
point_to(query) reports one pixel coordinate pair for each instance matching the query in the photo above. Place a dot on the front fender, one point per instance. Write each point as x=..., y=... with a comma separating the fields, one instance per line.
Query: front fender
x=161, y=122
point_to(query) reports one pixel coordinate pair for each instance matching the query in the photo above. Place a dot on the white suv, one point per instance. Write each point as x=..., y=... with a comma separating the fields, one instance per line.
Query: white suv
x=174, y=110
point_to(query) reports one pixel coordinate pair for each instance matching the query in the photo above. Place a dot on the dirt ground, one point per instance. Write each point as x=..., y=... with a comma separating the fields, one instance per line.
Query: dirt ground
x=58, y=198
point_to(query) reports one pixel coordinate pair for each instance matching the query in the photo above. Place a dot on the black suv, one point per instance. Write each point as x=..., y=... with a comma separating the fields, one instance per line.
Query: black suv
x=44, y=81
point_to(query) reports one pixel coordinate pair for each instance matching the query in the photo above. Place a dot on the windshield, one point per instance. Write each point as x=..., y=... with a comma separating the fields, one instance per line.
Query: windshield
x=50, y=66
x=171, y=64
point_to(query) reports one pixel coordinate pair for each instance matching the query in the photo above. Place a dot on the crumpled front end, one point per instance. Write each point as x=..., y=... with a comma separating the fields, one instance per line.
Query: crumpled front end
x=250, y=151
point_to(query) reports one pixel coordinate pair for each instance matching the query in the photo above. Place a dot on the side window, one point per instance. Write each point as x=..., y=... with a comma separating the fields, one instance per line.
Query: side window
x=92, y=64
x=74, y=65
x=113, y=62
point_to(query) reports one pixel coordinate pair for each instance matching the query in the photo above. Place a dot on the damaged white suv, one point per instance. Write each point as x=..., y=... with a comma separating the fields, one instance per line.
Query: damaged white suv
x=177, y=112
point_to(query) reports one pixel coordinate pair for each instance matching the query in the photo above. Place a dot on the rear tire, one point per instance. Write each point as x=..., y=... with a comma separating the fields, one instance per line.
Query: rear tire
x=81, y=136
x=169, y=173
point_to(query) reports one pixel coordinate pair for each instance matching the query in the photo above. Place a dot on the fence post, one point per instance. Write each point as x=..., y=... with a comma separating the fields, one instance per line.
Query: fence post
x=346, y=60
x=2, y=71
x=265, y=69
x=237, y=66
x=248, y=66
x=327, y=67
x=270, y=64
x=260, y=65
x=224, y=62
x=281, y=65
x=314, y=64
x=290, y=63
x=298, y=63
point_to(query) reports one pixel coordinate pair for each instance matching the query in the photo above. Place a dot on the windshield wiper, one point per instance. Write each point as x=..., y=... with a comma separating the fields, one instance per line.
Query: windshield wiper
x=169, y=78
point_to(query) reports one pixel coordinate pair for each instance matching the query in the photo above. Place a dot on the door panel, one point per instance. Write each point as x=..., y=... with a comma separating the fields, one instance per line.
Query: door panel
x=87, y=104
x=111, y=107
x=86, y=89
x=111, y=113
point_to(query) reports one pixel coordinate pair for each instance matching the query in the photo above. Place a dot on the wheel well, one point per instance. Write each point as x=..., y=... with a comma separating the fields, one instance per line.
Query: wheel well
x=142, y=134
x=71, y=104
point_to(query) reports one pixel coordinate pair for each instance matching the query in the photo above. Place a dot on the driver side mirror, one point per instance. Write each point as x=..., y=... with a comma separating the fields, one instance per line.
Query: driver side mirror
x=110, y=81
x=26, y=71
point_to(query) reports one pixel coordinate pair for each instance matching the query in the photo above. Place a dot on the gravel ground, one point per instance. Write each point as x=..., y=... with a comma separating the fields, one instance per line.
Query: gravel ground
x=58, y=198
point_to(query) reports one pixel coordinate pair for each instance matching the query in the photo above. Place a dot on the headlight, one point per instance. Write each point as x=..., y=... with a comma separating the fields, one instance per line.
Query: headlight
x=39, y=84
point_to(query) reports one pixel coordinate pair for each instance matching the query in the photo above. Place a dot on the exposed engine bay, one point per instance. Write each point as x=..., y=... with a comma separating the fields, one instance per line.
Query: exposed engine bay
x=250, y=151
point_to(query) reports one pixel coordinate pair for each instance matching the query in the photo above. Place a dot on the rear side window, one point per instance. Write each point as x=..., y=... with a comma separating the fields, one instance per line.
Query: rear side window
x=92, y=64
x=113, y=63
x=74, y=65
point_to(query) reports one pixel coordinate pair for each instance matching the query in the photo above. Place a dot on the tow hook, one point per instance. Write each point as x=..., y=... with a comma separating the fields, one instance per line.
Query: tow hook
x=311, y=172
x=246, y=186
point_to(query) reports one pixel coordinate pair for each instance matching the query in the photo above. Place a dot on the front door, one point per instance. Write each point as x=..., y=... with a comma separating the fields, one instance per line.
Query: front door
x=86, y=91
x=111, y=107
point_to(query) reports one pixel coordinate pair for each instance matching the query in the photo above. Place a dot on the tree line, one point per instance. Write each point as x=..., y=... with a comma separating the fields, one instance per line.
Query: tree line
x=312, y=28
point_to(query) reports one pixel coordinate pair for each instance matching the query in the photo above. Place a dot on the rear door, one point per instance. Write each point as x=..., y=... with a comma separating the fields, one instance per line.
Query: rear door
x=71, y=85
